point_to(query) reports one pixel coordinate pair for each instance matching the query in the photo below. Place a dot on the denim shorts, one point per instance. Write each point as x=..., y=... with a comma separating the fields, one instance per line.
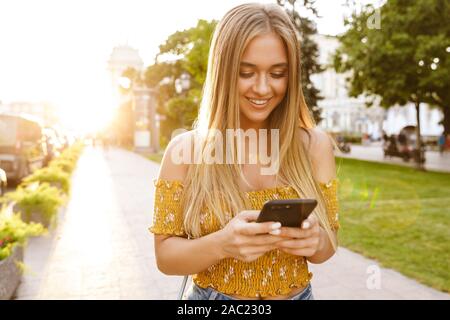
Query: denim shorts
x=197, y=293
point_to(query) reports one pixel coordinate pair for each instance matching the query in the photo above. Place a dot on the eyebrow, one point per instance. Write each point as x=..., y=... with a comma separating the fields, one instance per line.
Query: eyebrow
x=248, y=64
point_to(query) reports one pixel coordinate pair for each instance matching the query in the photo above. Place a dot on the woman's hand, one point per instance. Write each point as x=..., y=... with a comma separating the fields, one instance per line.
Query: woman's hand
x=304, y=241
x=246, y=240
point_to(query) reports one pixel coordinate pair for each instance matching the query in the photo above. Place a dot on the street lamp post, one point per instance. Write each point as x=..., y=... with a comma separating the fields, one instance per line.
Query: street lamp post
x=146, y=133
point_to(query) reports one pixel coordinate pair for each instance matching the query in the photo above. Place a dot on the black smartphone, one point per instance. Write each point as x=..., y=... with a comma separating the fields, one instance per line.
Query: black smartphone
x=289, y=212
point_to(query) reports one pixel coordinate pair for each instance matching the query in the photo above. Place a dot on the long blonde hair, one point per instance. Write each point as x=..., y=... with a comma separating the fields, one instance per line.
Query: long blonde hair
x=214, y=186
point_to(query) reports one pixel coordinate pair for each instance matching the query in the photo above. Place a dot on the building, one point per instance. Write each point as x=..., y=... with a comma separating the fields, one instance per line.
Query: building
x=342, y=113
x=46, y=112
x=123, y=57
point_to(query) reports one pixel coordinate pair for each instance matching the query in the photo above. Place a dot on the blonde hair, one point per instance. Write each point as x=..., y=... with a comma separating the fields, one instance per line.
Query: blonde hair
x=214, y=186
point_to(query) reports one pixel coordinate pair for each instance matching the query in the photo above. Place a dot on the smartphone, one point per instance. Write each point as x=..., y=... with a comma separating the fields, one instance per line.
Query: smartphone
x=289, y=212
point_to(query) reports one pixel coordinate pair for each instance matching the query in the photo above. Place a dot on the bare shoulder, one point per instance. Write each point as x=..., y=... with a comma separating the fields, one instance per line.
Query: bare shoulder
x=173, y=166
x=321, y=150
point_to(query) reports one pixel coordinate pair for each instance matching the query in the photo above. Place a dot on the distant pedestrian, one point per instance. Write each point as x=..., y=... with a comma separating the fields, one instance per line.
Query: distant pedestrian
x=441, y=143
x=105, y=142
x=402, y=139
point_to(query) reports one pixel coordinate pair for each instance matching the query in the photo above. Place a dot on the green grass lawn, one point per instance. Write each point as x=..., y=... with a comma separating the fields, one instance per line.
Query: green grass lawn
x=156, y=157
x=398, y=216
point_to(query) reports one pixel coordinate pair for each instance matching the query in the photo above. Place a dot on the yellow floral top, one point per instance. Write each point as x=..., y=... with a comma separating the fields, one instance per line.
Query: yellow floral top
x=274, y=273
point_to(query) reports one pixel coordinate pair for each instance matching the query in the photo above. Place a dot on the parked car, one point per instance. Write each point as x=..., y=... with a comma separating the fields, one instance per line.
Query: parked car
x=22, y=145
x=3, y=182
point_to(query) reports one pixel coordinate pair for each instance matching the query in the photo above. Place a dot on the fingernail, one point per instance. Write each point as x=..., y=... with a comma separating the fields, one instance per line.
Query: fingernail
x=275, y=232
x=306, y=225
x=276, y=225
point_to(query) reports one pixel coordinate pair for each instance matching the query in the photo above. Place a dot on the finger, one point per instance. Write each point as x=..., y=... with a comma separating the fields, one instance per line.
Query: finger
x=289, y=232
x=262, y=240
x=254, y=228
x=309, y=222
x=297, y=244
x=260, y=249
x=249, y=215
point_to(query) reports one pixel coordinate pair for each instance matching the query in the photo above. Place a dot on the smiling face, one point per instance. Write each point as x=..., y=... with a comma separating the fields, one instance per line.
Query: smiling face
x=263, y=79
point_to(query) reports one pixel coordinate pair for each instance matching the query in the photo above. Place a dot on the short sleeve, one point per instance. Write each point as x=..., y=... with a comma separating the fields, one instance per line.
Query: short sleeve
x=329, y=191
x=168, y=212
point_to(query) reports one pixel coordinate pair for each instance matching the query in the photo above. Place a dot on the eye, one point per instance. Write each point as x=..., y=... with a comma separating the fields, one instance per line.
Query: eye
x=246, y=74
x=278, y=75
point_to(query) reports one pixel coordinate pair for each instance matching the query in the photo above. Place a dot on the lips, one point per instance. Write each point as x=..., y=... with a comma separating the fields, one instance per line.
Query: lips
x=258, y=103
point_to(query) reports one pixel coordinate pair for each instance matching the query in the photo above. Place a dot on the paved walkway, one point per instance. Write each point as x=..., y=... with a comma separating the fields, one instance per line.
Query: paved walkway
x=434, y=160
x=102, y=249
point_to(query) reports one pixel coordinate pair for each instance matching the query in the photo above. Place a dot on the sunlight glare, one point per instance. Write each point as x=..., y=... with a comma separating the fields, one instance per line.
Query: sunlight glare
x=89, y=112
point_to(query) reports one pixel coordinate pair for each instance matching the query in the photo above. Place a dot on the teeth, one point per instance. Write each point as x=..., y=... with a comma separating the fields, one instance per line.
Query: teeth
x=258, y=102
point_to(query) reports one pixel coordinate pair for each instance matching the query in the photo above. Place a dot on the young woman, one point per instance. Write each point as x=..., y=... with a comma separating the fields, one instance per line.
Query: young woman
x=204, y=218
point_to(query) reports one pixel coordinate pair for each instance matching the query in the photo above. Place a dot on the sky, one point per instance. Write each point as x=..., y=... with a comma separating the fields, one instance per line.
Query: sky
x=56, y=51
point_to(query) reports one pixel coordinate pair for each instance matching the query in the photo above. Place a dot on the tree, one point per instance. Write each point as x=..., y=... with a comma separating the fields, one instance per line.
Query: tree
x=406, y=60
x=191, y=47
x=309, y=52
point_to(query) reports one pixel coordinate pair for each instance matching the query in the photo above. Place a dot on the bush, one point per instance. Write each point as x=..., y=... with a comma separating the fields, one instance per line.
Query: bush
x=353, y=139
x=14, y=231
x=65, y=165
x=38, y=204
x=53, y=175
x=72, y=153
x=349, y=137
x=68, y=157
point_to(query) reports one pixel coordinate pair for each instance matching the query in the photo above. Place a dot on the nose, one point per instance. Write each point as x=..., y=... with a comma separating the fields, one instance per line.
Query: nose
x=262, y=87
